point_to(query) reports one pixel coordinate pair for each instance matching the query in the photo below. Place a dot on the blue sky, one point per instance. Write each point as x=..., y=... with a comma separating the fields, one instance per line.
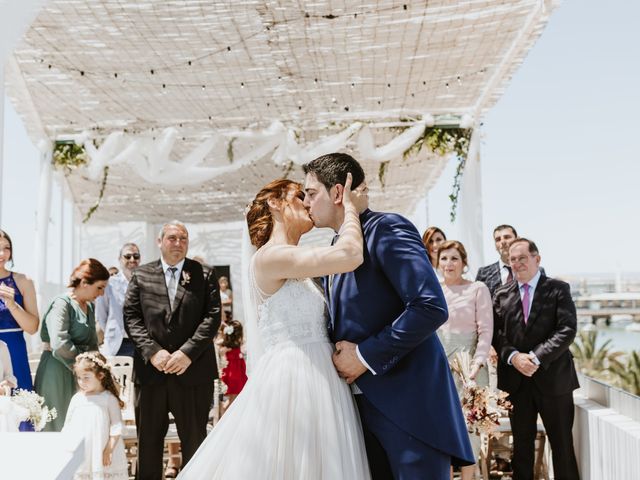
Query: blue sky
x=559, y=156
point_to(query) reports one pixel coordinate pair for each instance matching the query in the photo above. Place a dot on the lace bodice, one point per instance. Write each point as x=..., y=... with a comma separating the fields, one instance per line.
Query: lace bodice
x=294, y=315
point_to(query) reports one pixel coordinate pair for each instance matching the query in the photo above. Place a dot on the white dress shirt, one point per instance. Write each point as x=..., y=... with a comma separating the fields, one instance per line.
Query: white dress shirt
x=533, y=283
x=504, y=271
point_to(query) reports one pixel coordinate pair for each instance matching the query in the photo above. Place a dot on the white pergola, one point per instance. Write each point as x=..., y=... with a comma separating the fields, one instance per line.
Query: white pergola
x=193, y=105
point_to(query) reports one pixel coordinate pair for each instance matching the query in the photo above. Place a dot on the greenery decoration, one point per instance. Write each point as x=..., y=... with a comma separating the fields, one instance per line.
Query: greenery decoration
x=68, y=156
x=92, y=210
x=230, y=149
x=446, y=141
x=382, y=170
x=288, y=169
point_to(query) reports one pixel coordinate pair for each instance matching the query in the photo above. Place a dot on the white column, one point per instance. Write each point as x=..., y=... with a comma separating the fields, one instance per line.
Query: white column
x=63, y=245
x=42, y=218
x=1, y=134
x=470, y=206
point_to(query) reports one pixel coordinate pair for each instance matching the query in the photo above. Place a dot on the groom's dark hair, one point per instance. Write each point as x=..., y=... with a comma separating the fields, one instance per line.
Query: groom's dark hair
x=332, y=169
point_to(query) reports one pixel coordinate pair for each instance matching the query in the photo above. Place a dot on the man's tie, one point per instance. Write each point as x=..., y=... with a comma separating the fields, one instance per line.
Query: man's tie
x=510, y=274
x=526, y=301
x=173, y=285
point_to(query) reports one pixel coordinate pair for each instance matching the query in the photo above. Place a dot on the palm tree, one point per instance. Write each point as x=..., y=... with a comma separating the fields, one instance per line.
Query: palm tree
x=629, y=373
x=593, y=360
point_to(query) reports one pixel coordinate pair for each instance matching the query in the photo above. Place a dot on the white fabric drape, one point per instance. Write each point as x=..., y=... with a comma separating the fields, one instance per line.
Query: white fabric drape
x=469, y=217
x=150, y=155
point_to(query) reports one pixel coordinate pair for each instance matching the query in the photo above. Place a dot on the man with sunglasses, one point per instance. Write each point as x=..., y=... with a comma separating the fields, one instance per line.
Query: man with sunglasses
x=109, y=306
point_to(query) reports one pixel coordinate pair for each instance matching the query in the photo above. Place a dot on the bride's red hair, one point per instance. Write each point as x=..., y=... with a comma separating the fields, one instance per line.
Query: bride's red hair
x=259, y=219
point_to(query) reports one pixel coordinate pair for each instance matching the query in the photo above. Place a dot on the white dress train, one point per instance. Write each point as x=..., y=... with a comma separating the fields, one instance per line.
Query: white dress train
x=295, y=418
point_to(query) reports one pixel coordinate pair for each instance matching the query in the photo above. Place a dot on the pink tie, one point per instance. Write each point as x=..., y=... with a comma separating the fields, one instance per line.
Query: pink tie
x=525, y=302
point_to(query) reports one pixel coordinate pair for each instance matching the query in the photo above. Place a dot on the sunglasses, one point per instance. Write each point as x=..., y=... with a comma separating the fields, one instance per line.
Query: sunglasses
x=129, y=256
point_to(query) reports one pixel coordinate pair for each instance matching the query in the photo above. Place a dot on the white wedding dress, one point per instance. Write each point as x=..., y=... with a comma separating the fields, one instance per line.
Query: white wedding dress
x=295, y=418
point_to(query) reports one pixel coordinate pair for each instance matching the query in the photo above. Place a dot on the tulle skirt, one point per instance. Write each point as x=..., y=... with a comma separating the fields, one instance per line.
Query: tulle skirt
x=295, y=419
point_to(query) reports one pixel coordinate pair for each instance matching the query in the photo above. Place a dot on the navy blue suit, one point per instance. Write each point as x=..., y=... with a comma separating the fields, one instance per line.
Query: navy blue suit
x=391, y=306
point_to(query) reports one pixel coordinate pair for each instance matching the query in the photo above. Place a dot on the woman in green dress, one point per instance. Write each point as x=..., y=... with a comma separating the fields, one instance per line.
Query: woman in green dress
x=68, y=329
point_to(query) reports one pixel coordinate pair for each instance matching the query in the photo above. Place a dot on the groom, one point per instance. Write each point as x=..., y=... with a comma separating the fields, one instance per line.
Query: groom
x=383, y=317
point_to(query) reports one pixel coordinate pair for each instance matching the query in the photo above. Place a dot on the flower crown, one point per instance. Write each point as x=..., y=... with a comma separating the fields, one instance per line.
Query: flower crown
x=228, y=330
x=92, y=357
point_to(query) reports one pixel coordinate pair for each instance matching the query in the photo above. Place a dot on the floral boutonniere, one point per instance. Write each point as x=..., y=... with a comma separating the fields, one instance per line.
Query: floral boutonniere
x=186, y=278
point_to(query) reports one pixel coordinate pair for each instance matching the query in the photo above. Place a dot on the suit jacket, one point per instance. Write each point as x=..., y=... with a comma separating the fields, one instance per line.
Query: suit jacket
x=490, y=276
x=391, y=306
x=548, y=333
x=190, y=326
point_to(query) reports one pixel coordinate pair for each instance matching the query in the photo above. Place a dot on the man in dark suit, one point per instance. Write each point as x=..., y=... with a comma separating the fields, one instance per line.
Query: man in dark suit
x=383, y=317
x=535, y=323
x=499, y=273
x=172, y=313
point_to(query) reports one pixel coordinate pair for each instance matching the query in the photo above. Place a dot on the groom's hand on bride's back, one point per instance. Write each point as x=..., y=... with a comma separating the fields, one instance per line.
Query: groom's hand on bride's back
x=346, y=361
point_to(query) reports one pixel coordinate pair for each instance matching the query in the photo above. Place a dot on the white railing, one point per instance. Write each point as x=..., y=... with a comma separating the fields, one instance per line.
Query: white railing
x=606, y=431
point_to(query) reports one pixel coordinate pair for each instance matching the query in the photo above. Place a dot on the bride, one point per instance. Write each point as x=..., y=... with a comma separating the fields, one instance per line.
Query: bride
x=295, y=418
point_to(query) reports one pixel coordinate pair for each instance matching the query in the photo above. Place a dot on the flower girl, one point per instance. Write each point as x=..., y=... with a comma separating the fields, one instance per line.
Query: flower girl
x=95, y=415
x=234, y=371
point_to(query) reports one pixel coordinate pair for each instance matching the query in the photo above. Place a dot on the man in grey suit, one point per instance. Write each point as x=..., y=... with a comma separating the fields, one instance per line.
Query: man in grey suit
x=171, y=313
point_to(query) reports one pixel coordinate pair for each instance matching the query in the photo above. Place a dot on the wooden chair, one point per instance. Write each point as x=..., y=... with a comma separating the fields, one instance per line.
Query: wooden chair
x=504, y=445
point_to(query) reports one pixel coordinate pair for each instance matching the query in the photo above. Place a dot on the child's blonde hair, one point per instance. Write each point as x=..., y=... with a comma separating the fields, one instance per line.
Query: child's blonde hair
x=96, y=362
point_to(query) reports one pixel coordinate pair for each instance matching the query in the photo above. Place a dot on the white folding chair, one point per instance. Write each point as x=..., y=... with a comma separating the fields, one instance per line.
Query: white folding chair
x=122, y=369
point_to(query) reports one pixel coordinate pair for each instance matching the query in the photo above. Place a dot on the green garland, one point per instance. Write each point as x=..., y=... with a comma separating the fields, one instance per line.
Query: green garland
x=69, y=156
x=288, y=169
x=445, y=141
x=230, y=150
x=382, y=170
x=92, y=210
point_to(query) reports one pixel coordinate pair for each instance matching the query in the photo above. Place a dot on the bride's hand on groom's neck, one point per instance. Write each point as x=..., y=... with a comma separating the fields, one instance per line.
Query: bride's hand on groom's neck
x=360, y=197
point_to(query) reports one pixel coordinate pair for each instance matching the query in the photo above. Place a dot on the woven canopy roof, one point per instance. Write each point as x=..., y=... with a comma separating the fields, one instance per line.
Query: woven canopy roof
x=95, y=67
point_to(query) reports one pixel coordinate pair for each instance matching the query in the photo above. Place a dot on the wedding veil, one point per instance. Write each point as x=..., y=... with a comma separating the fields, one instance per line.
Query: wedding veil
x=253, y=344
